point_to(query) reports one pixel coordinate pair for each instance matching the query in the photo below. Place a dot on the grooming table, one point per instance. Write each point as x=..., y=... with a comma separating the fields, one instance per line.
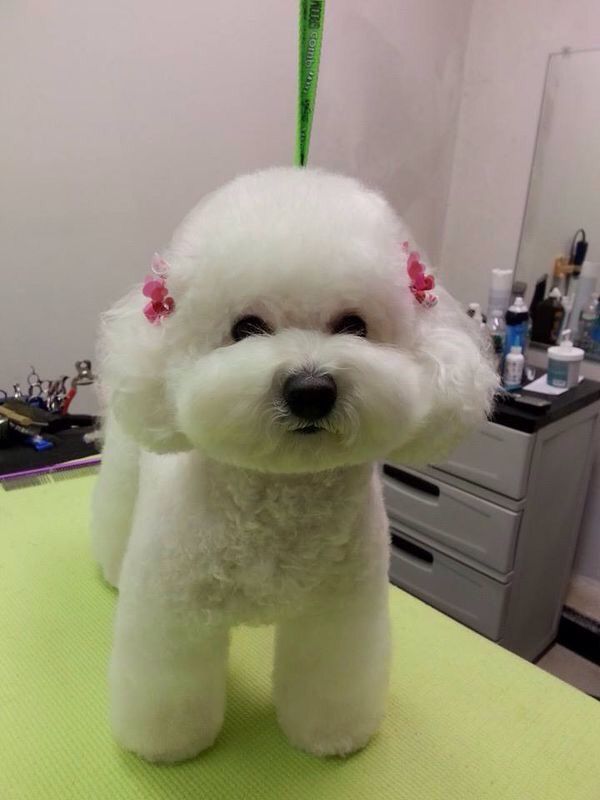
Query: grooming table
x=467, y=720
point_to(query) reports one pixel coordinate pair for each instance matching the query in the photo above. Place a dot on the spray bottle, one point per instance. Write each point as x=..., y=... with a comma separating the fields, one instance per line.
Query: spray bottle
x=517, y=326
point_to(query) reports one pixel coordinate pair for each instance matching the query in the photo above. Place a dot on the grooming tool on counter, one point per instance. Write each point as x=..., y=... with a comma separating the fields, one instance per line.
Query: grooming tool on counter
x=57, y=393
x=21, y=413
x=84, y=377
x=33, y=476
x=35, y=384
x=36, y=392
x=51, y=395
x=38, y=442
x=26, y=422
x=28, y=419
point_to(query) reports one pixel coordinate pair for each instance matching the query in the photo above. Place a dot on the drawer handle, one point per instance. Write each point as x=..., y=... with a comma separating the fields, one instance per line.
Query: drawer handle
x=411, y=549
x=411, y=480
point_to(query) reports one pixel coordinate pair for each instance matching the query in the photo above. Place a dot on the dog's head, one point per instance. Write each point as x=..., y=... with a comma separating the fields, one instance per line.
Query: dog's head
x=296, y=344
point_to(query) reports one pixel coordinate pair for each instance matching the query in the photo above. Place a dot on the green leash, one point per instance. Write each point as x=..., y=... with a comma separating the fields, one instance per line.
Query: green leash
x=309, y=55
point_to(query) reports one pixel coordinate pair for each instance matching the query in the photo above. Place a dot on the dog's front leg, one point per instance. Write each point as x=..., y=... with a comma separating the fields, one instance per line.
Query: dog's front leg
x=167, y=680
x=114, y=500
x=331, y=672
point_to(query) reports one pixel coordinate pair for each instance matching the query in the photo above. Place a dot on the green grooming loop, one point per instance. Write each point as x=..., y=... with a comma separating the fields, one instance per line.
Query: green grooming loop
x=309, y=55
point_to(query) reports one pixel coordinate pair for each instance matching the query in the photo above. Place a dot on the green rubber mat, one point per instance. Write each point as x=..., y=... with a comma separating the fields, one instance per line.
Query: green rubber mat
x=467, y=720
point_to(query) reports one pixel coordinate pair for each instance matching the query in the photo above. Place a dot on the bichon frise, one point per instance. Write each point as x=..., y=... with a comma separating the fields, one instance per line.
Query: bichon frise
x=288, y=341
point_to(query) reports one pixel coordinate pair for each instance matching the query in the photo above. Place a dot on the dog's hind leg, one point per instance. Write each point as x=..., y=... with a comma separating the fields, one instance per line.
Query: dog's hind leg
x=113, y=500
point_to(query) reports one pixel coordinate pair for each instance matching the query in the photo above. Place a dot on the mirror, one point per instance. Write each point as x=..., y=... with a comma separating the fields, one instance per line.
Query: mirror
x=564, y=200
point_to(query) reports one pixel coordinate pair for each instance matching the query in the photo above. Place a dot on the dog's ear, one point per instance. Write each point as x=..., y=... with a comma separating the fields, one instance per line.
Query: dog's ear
x=134, y=361
x=458, y=380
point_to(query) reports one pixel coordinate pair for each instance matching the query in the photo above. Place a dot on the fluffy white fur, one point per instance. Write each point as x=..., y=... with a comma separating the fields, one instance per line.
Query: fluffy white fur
x=210, y=511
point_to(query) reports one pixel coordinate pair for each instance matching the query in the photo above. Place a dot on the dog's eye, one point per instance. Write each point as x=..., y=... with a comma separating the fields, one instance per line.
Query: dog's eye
x=350, y=324
x=249, y=326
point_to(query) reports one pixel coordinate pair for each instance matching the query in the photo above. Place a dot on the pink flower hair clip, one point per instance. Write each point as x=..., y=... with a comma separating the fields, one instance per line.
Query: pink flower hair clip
x=421, y=283
x=155, y=287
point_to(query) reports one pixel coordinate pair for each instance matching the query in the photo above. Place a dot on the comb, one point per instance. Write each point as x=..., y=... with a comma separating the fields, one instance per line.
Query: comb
x=77, y=467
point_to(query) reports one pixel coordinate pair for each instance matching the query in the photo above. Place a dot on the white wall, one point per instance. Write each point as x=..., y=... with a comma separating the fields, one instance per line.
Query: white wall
x=117, y=116
x=509, y=44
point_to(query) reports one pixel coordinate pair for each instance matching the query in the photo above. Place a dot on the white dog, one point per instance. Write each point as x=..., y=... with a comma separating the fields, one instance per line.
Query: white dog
x=247, y=410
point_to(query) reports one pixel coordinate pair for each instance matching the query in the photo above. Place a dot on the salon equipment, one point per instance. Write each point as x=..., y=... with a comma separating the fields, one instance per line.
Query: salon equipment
x=32, y=476
x=517, y=326
x=52, y=395
x=578, y=252
x=548, y=319
x=38, y=442
x=538, y=295
x=37, y=389
x=497, y=328
x=21, y=419
x=584, y=290
x=514, y=364
x=564, y=362
x=587, y=322
x=56, y=393
x=22, y=465
x=497, y=522
x=84, y=377
x=500, y=289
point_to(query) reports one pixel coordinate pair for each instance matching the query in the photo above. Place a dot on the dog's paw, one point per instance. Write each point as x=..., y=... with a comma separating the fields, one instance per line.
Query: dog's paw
x=166, y=751
x=327, y=739
x=160, y=728
x=164, y=745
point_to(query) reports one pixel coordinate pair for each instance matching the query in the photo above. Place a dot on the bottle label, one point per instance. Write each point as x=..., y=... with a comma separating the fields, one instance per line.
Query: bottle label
x=558, y=373
x=516, y=335
x=513, y=373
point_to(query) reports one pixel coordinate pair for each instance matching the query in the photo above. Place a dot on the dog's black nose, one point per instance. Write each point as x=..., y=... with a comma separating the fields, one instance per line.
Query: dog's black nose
x=310, y=397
